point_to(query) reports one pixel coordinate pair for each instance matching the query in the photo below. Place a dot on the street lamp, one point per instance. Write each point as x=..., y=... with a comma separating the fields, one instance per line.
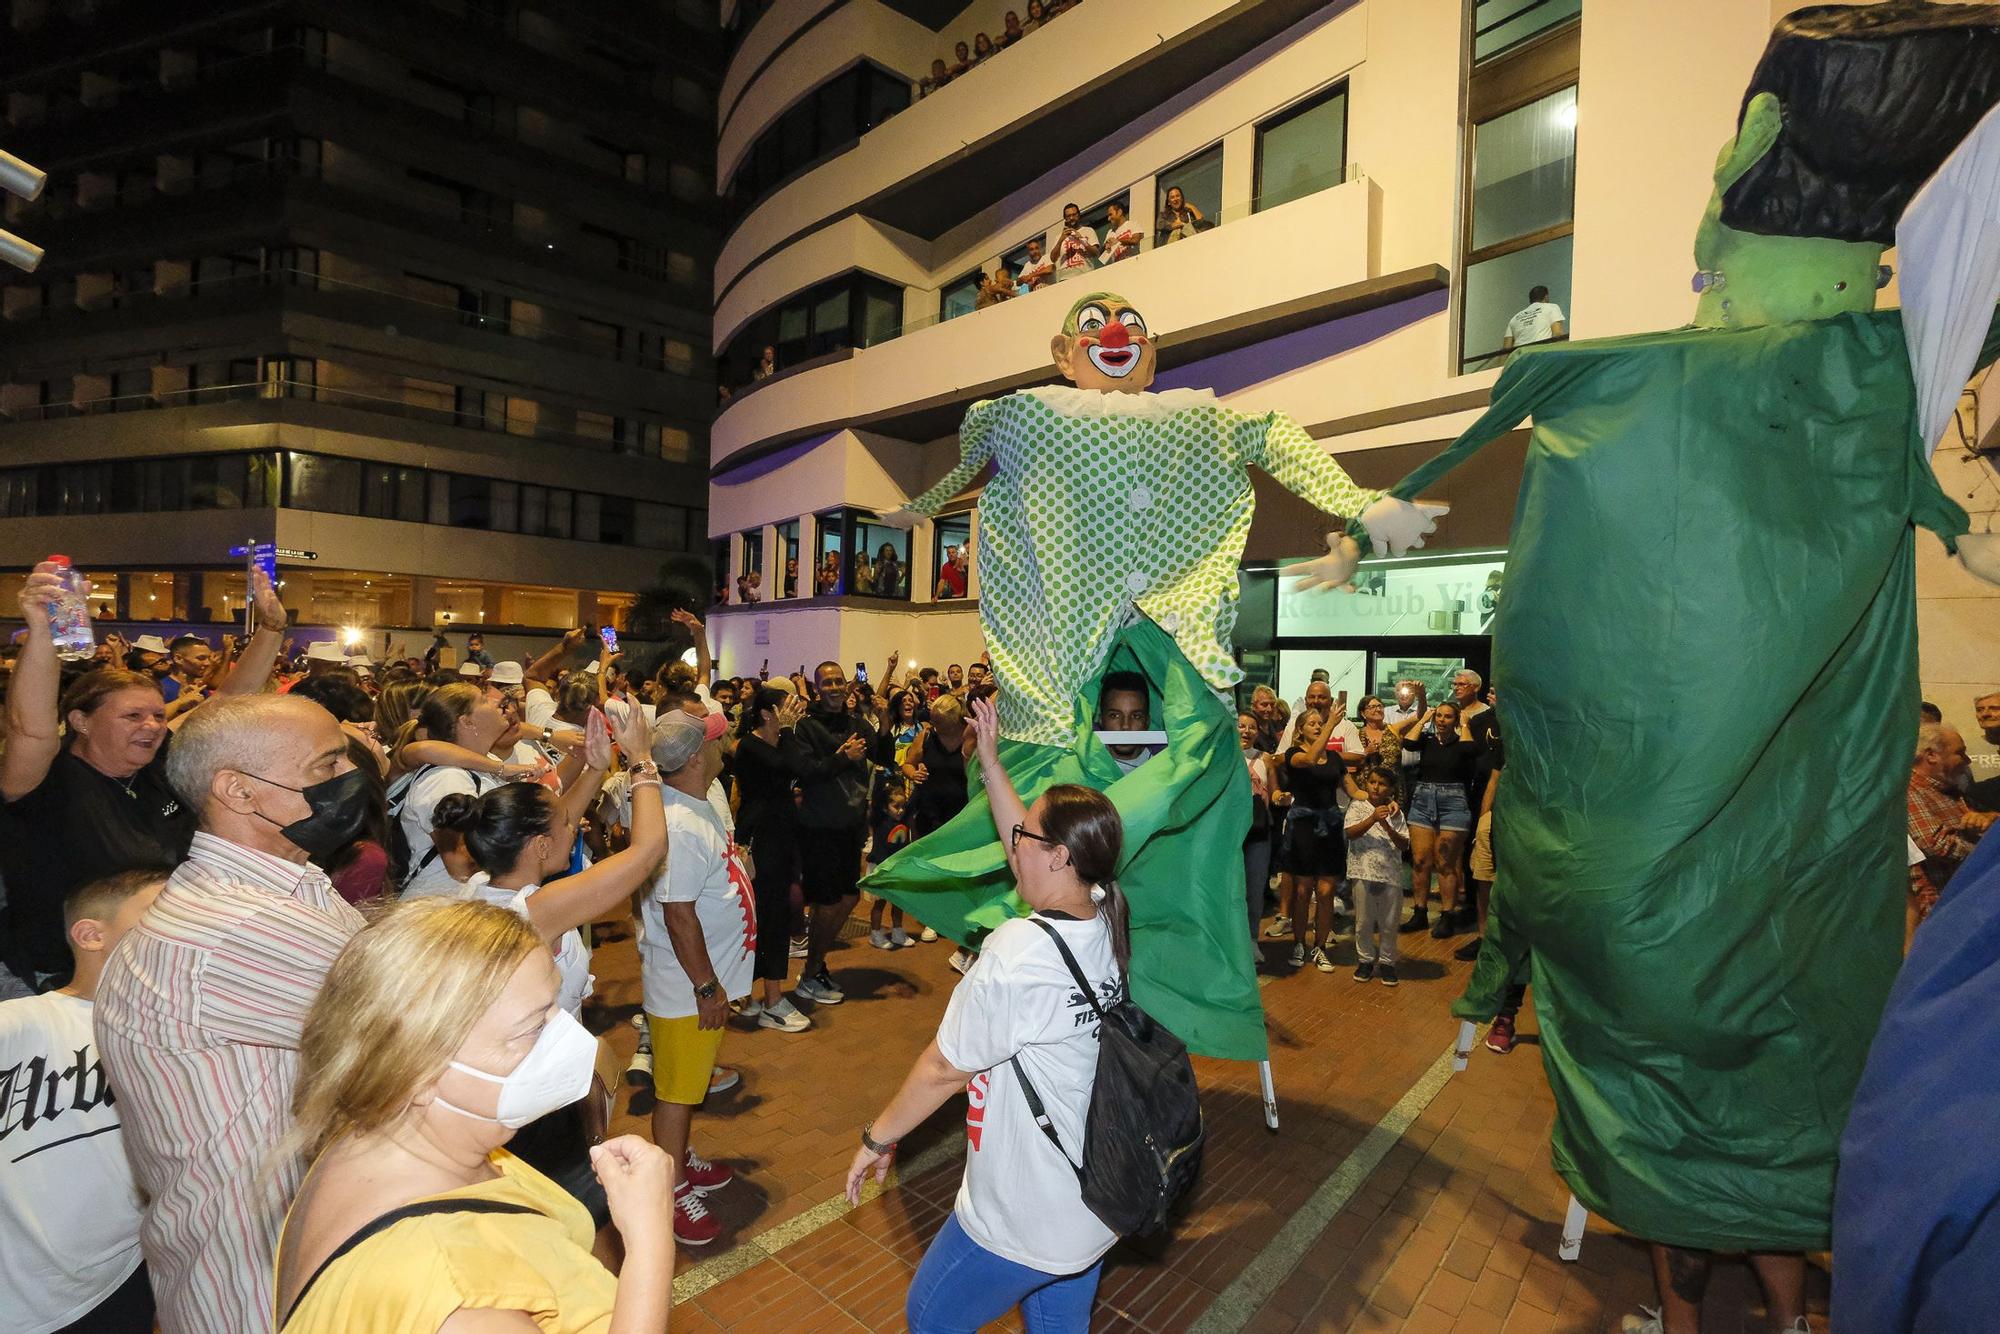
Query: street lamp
x=19, y=178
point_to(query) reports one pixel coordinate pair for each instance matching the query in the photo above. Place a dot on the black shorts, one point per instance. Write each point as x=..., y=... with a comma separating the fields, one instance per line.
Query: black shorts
x=830, y=864
x=1309, y=850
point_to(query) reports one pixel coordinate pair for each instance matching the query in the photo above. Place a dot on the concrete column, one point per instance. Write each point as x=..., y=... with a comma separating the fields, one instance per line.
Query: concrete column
x=771, y=563
x=924, y=559
x=423, y=604
x=808, y=556
x=197, y=606
x=123, y=602
x=735, y=566
x=1145, y=207
x=586, y=606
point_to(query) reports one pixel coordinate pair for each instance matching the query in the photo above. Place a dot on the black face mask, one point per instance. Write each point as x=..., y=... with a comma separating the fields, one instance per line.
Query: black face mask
x=340, y=807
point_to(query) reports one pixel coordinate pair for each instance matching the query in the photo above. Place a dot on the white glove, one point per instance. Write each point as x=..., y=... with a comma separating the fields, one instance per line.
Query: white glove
x=902, y=517
x=1979, y=553
x=1398, y=526
x=1333, y=570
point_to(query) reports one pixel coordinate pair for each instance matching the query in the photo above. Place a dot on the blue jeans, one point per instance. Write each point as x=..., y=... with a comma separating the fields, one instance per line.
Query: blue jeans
x=961, y=1286
x=1441, y=806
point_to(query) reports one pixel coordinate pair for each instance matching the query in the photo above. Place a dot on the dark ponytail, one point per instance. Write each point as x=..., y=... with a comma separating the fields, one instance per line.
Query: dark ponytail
x=498, y=825
x=1085, y=822
x=751, y=715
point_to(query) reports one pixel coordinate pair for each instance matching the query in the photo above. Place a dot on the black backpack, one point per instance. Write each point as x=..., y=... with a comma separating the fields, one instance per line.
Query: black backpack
x=1142, y=1136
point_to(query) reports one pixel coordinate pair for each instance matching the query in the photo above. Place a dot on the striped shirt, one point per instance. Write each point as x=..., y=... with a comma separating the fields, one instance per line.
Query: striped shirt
x=198, y=1023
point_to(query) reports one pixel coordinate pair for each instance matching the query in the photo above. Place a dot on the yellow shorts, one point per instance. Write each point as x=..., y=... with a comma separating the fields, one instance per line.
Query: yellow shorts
x=1482, y=849
x=683, y=1058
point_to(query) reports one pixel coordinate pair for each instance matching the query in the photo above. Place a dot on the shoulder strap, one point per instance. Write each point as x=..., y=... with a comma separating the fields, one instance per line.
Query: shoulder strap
x=395, y=1216
x=1082, y=982
x=1041, y=1115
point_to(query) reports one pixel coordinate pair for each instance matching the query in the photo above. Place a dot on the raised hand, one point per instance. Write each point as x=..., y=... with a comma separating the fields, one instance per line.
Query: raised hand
x=271, y=613
x=633, y=735
x=638, y=1181
x=986, y=731
x=791, y=711
x=39, y=592
x=1333, y=570
x=597, y=738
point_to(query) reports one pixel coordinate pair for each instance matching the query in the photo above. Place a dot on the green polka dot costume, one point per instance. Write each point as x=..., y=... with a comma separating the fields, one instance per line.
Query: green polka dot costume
x=1107, y=505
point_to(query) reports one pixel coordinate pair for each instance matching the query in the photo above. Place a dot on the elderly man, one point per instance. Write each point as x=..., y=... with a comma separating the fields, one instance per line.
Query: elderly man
x=1473, y=711
x=1942, y=826
x=200, y=1010
x=700, y=935
x=1984, y=795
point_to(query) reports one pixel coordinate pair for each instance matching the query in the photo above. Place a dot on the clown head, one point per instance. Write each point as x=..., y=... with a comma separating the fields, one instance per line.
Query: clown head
x=1104, y=345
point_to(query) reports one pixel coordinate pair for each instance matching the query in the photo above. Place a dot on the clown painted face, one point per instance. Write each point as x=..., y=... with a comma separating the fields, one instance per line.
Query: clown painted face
x=1105, y=346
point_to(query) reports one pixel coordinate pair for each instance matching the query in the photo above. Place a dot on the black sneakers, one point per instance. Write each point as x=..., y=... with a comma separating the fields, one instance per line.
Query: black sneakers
x=1387, y=973
x=1364, y=971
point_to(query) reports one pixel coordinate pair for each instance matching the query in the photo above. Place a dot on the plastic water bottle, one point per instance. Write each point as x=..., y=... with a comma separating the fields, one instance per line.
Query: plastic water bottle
x=69, y=614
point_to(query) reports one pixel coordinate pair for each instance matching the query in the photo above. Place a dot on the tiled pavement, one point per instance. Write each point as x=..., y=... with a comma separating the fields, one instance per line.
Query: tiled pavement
x=1455, y=1228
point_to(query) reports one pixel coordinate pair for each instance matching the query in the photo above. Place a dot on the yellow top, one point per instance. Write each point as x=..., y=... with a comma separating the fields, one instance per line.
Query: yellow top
x=412, y=1275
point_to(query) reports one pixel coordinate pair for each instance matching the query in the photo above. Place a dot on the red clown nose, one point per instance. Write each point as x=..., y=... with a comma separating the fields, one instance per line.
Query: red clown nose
x=1114, y=335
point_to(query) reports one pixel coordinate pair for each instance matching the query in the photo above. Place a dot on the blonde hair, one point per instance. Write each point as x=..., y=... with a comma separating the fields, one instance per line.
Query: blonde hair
x=397, y=1005
x=947, y=708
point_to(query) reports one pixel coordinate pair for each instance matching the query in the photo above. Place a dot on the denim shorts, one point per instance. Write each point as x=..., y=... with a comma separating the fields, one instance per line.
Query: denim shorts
x=1440, y=806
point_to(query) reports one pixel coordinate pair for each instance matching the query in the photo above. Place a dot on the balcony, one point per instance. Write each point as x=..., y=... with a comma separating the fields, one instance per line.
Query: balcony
x=1257, y=277
x=1039, y=103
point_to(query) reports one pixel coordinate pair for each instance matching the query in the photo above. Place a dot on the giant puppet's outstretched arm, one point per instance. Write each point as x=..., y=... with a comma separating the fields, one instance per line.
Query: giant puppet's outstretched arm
x=975, y=451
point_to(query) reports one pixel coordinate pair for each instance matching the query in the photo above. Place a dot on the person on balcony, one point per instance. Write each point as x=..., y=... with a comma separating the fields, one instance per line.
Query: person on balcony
x=1038, y=271
x=1076, y=246
x=1121, y=238
x=1180, y=219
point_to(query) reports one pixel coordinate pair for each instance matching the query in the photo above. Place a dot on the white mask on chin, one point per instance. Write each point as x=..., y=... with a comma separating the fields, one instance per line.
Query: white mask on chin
x=555, y=1073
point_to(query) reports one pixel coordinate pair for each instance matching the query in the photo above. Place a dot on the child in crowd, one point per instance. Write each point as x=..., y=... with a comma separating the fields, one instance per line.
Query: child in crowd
x=1377, y=835
x=891, y=832
x=69, y=1209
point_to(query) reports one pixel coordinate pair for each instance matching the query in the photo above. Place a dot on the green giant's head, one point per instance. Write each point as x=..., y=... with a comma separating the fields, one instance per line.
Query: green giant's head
x=1746, y=279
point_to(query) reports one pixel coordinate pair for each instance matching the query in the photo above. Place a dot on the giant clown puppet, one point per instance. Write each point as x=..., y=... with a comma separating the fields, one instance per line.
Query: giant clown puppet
x=1110, y=537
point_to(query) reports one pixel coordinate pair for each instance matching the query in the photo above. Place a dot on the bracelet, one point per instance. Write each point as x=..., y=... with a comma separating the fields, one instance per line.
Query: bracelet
x=646, y=782
x=868, y=1142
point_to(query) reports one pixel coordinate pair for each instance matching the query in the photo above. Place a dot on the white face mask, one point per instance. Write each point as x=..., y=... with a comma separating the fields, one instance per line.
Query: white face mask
x=555, y=1073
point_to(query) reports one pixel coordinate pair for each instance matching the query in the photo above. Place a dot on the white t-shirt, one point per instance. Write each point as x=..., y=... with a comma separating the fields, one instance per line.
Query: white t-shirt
x=419, y=806
x=1345, y=734
x=574, y=981
x=701, y=868
x=1373, y=855
x=1072, y=249
x=1534, y=323
x=1019, y=1199
x=539, y=708
x=69, y=1209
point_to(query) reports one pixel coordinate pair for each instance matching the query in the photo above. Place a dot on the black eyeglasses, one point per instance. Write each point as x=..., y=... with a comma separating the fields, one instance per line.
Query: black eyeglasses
x=1022, y=831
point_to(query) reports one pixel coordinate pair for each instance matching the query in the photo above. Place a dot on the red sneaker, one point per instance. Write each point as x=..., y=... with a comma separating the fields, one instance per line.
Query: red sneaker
x=1500, y=1037
x=693, y=1224
x=701, y=1176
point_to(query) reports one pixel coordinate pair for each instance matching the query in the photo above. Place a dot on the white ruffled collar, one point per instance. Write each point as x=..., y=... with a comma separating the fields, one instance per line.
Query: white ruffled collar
x=1070, y=401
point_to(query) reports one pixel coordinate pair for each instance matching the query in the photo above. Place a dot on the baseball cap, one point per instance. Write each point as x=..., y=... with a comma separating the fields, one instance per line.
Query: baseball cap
x=508, y=674
x=678, y=736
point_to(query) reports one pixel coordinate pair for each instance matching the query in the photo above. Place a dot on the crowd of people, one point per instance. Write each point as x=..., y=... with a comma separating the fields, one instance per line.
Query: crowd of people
x=984, y=45
x=301, y=955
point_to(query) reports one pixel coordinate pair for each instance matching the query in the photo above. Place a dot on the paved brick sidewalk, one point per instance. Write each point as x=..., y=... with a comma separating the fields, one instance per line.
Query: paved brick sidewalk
x=1454, y=1229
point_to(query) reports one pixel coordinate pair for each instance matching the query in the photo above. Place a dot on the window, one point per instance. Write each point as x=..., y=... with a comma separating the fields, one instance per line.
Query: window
x=961, y=297
x=1199, y=180
x=328, y=485
x=1499, y=26
x=1302, y=151
x=469, y=502
x=854, y=310
x=1518, y=235
x=389, y=492
x=821, y=124
x=785, y=579
x=753, y=558
x=954, y=532
x=881, y=559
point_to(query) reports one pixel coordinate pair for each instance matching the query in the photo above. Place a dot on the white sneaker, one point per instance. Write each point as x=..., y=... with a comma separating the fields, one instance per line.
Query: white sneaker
x=880, y=939
x=639, y=1070
x=1321, y=962
x=785, y=1017
x=798, y=947
x=750, y=1008
x=1298, y=957
x=900, y=939
x=961, y=962
x=820, y=991
x=1649, y=1323
x=1280, y=927
x=929, y=937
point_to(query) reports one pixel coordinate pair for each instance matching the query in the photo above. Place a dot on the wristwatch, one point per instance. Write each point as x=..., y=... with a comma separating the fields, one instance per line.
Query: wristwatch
x=868, y=1141
x=708, y=990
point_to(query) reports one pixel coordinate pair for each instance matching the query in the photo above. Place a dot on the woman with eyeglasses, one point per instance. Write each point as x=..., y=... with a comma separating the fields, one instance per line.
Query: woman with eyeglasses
x=1019, y=1233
